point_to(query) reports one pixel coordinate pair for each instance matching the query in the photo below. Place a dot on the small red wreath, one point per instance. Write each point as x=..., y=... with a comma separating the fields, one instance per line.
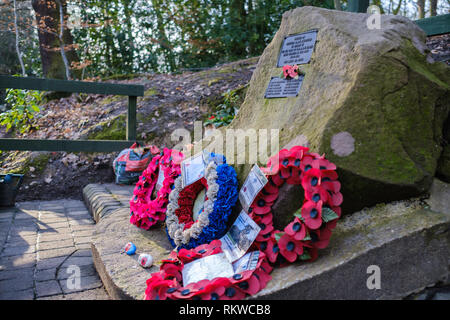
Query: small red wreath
x=311, y=228
x=145, y=211
x=186, y=201
x=167, y=283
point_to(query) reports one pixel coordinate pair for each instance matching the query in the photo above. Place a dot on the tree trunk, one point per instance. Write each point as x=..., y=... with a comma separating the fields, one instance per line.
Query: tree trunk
x=16, y=29
x=337, y=5
x=48, y=18
x=433, y=7
x=421, y=8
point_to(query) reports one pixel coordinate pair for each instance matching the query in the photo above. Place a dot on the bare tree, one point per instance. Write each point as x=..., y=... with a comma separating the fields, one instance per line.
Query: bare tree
x=433, y=7
x=337, y=5
x=55, y=41
x=61, y=39
x=16, y=27
x=421, y=8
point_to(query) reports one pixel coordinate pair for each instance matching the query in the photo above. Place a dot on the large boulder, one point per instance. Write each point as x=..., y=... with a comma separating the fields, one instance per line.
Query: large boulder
x=371, y=100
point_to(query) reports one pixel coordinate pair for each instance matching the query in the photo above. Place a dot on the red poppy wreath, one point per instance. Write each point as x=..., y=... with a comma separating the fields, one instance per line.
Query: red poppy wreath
x=313, y=223
x=167, y=284
x=148, y=205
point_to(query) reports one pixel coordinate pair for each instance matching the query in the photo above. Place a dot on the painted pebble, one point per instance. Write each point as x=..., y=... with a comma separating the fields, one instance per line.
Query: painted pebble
x=130, y=248
x=145, y=260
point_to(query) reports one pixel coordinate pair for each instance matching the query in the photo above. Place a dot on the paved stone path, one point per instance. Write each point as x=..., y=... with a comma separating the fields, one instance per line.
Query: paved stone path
x=44, y=246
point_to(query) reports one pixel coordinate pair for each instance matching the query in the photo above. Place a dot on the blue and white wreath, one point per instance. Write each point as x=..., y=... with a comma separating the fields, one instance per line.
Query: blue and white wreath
x=221, y=186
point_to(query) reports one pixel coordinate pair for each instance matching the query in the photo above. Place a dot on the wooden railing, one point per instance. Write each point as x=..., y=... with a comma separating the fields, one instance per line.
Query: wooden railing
x=132, y=91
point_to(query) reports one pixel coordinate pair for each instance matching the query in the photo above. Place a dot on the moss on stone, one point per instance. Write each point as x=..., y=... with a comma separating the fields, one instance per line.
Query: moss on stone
x=114, y=129
x=150, y=92
x=20, y=162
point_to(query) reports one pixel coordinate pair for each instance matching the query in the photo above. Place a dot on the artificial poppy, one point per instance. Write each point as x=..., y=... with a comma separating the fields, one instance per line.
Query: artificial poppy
x=290, y=248
x=312, y=214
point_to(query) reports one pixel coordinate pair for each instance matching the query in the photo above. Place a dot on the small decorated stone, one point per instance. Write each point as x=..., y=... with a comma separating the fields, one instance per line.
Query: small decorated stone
x=145, y=260
x=130, y=248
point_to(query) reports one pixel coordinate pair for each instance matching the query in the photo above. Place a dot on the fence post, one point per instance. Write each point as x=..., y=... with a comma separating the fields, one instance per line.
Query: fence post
x=357, y=5
x=131, y=118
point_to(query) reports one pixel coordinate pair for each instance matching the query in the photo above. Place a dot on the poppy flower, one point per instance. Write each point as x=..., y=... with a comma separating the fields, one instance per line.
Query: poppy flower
x=290, y=72
x=233, y=293
x=187, y=256
x=215, y=289
x=321, y=237
x=158, y=288
x=265, y=223
x=210, y=118
x=265, y=266
x=249, y=285
x=336, y=199
x=307, y=163
x=274, y=163
x=332, y=186
x=208, y=249
x=277, y=179
x=271, y=188
x=317, y=194
x=312, y=214
x=154, y=150
x=263, y=278
x=171, y=270
x=312, y=179
x=269, y=197
x=271, y=249
x=260, y=206
x=190, y=290
x=177, y=157
x=290, y=248
x=296, y=229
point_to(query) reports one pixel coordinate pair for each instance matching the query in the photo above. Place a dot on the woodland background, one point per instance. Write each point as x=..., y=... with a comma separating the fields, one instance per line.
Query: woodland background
x=91, y=39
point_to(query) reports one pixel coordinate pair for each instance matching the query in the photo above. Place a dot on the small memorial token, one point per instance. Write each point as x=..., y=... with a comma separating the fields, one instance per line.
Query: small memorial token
x=145, y=260
x=283, y=88
x=297, y=48
x=130, y=248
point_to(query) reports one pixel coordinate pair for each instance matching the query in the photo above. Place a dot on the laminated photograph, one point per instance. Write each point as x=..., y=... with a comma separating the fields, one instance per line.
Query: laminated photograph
x=217, y=266
x=240, y=237
x=247, y=262
x=255, y=181
x=210, y=267
x=192, y=169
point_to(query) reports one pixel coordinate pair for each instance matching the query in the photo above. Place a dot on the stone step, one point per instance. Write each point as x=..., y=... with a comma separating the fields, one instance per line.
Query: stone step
x=407, y=243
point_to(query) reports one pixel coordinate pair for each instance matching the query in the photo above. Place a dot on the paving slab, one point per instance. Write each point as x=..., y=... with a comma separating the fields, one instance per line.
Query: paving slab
x=18, y=295
x=86, y=283
x=94, y=294
x=47, y=288
x=36, y=239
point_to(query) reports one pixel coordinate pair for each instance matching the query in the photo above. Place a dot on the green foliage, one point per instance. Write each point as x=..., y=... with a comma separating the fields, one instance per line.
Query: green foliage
x=24, y=105
x=133, y=36
x=328, y=214
x=226, y=111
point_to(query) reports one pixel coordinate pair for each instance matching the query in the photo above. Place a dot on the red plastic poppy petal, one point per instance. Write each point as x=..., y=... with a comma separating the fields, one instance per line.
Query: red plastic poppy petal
x=277, y=180
x=336, y=199
x=290, y=256
x=261, y=210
